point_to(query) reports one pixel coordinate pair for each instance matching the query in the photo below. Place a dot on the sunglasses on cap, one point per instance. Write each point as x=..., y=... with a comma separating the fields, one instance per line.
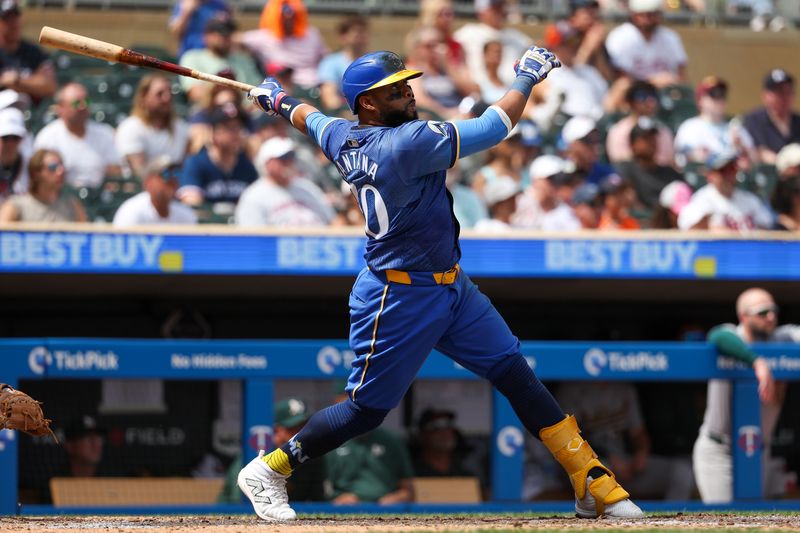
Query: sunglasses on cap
x=171, y=173
x=763, y=312
x=52, y=167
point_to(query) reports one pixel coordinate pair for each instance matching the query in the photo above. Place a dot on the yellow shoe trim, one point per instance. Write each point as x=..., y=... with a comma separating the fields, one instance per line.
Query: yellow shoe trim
x=278, y=461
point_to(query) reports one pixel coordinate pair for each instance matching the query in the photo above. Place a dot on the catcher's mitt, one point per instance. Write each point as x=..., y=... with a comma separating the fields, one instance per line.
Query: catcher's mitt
x=20, y=411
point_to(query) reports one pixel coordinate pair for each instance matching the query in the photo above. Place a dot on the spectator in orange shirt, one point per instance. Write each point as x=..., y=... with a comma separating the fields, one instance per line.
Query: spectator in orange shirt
x=618, y=198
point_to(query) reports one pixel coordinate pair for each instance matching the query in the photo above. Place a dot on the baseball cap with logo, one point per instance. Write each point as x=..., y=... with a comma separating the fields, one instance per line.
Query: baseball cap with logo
x=12, y=122
x=224, y=113
x=290, y=413
x=777, y=77
x=645, y=6
x=644, y=126
x=82, y=426
x=585, y=194
x=531, y=136
x=8, y=6
x=711, y=86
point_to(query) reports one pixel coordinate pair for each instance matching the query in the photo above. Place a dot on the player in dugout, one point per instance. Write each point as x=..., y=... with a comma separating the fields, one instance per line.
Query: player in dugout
x=413, y=296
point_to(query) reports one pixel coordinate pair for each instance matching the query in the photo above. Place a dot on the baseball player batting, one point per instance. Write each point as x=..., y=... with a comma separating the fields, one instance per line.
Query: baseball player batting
x=711, y=457
x=413, y=296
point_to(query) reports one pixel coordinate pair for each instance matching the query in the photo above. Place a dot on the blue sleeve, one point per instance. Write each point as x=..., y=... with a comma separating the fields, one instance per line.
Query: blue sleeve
x=422, y=147
x=480, y=133
x=191, y=172
x=317, y=124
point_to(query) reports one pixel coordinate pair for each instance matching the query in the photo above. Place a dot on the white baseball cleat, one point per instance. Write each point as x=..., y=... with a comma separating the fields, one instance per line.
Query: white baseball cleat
x=586, y=507
x=266, y=490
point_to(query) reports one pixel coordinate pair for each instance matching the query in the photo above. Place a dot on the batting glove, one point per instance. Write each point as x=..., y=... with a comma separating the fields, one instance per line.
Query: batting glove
x=267, y=96
x=535, y=63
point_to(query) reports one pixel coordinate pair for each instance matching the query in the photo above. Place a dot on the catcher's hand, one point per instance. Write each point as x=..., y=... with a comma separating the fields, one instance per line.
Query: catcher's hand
x=535, y=63
x=267, y=96
x=20, y=411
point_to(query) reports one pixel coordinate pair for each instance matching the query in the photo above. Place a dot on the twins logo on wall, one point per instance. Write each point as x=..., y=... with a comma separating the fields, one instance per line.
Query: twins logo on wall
x=749, y=440
x=260, y=438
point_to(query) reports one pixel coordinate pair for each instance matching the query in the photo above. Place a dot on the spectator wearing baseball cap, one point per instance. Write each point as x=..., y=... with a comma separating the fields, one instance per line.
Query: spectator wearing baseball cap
x=217, y=55
x=671, y=201
x=83, y=442
x=282, y=196
x=711, y=131
x=529, y=139
x=157, y=203
x=540, y=206
x=500, y=196
x=618, y=199
x=24, y=67
x=587, y=204
x=642, y=100
x=644, y=49
x=722, y=205
x=438, y=445
x=221, y=171
x=581, y=143
x=643, y=171
x=15, y=150
x=776, y=124
x=188, y=21
x=574, y=89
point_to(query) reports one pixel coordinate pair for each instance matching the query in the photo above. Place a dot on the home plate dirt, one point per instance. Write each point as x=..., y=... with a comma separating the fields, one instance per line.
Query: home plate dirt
x=246, y=524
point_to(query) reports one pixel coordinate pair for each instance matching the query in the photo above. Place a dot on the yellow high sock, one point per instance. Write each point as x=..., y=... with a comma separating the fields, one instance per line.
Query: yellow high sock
x=278, y=461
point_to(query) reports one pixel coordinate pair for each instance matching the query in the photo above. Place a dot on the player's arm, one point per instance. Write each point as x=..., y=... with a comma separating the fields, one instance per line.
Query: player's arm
x=727, y=342
x=495, y=123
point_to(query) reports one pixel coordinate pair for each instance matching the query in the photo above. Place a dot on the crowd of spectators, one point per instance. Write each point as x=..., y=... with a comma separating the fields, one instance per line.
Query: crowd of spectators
x=615, y=139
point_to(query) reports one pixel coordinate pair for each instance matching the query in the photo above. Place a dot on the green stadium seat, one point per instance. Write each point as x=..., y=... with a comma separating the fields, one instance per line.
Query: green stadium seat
x=695, y=175
x=759, y=180
x=104, y=201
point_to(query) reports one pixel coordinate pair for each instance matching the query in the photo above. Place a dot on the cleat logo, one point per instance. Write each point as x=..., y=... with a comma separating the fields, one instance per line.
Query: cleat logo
x=575, y=444
x=257, y=490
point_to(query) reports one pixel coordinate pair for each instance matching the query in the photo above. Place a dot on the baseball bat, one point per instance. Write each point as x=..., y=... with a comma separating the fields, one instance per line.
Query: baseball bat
x=86, y=46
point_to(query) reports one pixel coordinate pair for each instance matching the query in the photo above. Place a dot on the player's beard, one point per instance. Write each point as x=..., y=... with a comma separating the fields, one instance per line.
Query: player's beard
x=396, y=117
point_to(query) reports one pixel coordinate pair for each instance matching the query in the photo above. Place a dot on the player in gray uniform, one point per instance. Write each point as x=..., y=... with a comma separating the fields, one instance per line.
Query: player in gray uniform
x=712, y=456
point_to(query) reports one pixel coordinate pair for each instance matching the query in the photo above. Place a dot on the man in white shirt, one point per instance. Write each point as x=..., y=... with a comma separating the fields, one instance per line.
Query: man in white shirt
x=157, y=203
x=539, y=207
x=86, y=147
x=643, y=49
x=281, y=197
x=710, y=131
x=721, y=205
x=491, y=27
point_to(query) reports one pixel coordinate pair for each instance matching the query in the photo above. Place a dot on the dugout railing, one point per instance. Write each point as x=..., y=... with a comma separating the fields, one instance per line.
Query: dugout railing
x=259, y=363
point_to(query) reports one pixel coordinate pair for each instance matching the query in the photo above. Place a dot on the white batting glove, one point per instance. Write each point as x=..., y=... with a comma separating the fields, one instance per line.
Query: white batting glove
x=535, y=63
x=267, y=96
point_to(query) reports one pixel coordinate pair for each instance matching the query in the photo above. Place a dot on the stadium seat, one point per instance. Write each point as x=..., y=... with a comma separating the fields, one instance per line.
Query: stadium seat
x=694, y=174
x=102, y=203
x=677, y=105
x=760, y=180
x=115, y=491
x=446, y=489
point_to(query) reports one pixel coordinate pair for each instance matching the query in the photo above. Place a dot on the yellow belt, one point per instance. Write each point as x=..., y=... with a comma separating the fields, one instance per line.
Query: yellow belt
x=441, y=278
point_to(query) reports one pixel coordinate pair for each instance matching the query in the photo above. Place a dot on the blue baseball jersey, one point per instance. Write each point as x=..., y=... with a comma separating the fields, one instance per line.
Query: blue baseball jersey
x=398, y=177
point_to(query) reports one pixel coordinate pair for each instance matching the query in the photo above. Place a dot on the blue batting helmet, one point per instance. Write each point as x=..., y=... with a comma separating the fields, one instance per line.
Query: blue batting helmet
x=371, y=71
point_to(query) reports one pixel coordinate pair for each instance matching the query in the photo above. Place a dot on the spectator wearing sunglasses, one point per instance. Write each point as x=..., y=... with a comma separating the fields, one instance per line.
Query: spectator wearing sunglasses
x=157, y=203
x=45, y=200
x=642, y=100
x=712, y=457
x=88, y=146
x=711, y=131
x=722, y=205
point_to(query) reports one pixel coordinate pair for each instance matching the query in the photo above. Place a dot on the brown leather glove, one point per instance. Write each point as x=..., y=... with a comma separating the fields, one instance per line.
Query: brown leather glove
x=20, y=411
